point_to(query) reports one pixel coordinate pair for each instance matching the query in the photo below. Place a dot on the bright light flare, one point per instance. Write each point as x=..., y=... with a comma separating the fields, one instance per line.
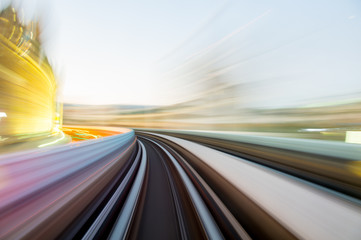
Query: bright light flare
x=27, y=84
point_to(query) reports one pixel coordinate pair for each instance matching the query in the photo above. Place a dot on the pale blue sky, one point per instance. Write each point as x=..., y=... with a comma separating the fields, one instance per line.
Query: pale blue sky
x=284, y=52
x=109, y=50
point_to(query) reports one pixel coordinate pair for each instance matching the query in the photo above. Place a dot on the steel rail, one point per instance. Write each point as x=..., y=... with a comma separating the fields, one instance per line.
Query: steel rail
x=109, y=207
x=126, y=215
x=211, y=229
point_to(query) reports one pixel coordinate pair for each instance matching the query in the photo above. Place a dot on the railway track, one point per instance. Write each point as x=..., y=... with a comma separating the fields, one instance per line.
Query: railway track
x=158, y=198
x=158, y=186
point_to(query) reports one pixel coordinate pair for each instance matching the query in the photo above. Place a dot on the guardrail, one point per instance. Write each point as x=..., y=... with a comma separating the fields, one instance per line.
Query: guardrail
x=42, y=191
x=270, y=203
x=342, y=150
x=335, y=165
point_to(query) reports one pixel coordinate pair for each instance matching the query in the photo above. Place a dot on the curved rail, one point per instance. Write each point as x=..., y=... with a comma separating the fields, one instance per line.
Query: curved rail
x=334, y=165
x=126, y=216
x=210, y=227
x=110, y=206
x=41, y=192
x=303, y=209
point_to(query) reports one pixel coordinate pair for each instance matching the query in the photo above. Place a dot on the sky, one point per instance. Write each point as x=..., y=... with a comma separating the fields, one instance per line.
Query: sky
x=106, y=51
x=110, y=48
x=279, y=53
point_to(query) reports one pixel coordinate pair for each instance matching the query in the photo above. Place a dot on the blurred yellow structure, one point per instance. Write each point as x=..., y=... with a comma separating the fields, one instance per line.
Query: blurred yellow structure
x=27, y=84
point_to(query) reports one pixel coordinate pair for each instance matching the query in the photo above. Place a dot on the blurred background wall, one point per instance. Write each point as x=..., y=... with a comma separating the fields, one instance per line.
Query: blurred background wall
x=28, y=89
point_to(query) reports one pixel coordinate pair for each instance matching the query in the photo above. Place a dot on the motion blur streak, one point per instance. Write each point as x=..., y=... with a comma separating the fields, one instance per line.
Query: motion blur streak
x=268, y=204
x=247, y=129
x=81, y=133
x=43, y=191
x=274, y=67
x=181, y=184
x=27, y=84
x=53, y=142
x=284, y=198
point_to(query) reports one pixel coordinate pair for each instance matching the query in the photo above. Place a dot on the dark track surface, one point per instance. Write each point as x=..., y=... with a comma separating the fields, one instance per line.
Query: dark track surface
x=158, y=219
x=258, y=224
x=165, y=210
